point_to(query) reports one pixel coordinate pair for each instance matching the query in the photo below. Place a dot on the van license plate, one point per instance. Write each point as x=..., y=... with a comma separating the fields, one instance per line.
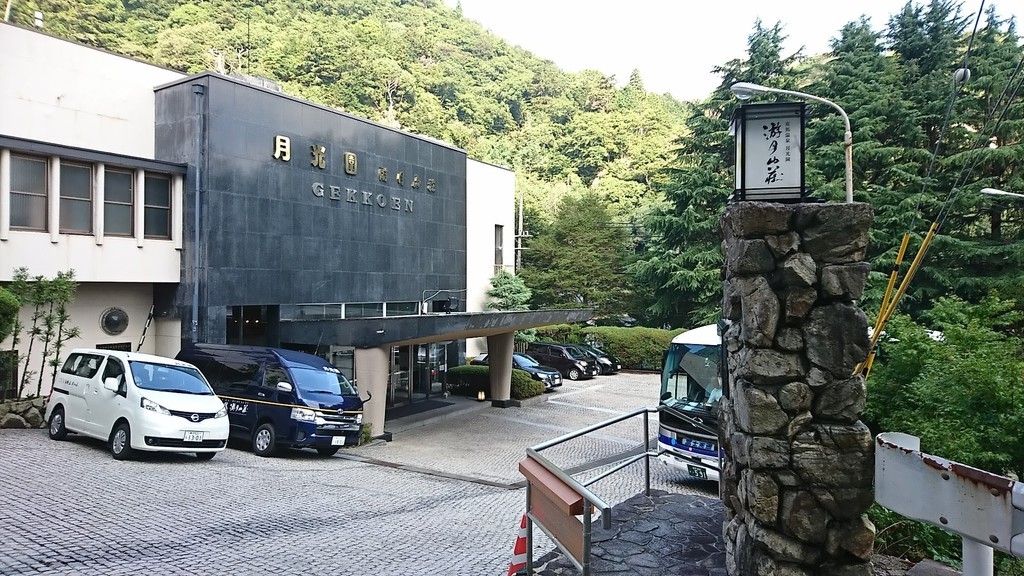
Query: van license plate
x=193, y=436
x=338, y=441
x=697, y=472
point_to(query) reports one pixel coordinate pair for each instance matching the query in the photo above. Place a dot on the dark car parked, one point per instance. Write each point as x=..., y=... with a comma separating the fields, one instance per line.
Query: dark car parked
x=547, y=375
x=606, y=362
x=569, y=360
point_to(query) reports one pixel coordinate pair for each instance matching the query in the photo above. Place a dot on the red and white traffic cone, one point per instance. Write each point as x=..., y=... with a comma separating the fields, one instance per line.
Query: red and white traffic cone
x=519, y=551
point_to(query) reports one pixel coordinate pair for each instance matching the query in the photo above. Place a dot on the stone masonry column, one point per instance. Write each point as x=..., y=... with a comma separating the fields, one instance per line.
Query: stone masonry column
x=797, y=477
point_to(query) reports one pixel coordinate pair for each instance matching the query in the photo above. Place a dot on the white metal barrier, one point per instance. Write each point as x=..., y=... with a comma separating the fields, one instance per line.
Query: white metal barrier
x=984, y=509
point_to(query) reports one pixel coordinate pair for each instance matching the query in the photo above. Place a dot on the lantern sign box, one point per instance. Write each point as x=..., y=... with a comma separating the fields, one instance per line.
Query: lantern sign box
x=769, y=151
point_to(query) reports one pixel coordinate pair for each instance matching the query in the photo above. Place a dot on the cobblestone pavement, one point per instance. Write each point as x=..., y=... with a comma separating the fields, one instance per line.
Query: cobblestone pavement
x=442, y=499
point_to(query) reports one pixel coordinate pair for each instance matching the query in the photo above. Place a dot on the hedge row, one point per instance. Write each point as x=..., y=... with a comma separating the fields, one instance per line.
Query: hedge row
x=469, y=380
x=638, y=348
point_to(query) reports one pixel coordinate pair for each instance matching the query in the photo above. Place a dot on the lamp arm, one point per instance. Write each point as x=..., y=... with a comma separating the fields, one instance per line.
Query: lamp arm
x=847, y=136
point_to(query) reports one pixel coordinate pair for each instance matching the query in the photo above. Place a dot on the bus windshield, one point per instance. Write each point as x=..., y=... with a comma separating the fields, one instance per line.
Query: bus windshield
x=690, y=377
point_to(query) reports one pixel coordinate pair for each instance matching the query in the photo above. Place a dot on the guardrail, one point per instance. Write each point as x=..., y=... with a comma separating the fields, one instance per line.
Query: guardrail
x=986, y=510
x=554, y=498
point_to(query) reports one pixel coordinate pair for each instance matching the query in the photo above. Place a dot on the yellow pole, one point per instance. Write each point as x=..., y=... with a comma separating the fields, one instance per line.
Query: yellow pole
x=910, y=273
x=866, y=365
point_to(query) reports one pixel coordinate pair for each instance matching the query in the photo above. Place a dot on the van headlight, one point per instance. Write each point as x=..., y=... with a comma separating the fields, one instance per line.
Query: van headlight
x=303, y=415
x=221, y=413
x=154, y=407
x=359, y=418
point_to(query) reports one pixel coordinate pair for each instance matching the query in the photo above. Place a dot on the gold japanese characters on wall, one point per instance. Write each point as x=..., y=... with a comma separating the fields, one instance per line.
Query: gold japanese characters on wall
x=319, y=158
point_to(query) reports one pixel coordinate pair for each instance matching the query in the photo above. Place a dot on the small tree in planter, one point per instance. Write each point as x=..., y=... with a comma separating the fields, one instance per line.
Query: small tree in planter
x=31, y=292
x=63, y=288
x=50, y=300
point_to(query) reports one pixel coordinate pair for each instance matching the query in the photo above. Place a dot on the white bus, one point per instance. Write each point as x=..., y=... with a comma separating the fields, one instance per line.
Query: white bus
x=691, y=388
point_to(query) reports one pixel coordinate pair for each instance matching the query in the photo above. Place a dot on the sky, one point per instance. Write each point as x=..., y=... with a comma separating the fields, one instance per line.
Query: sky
x=676, y=43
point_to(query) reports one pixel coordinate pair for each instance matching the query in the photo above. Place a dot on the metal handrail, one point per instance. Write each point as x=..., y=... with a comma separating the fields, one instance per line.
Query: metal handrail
x=580, y=488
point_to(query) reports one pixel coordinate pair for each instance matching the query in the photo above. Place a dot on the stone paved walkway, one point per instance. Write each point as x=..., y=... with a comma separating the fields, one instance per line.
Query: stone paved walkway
x=661, y=535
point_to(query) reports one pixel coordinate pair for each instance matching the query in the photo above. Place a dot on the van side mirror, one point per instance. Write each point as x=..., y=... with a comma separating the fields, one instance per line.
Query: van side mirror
x=284, y=387
x=666, y=396
x=111, y=384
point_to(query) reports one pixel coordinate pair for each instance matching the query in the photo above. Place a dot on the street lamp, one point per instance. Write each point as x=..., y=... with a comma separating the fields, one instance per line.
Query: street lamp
x=996, y=192
x=744, y=90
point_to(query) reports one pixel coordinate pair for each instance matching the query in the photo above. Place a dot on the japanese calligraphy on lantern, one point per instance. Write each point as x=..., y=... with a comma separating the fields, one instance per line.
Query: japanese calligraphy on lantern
x=771, y=151
x=772, y=154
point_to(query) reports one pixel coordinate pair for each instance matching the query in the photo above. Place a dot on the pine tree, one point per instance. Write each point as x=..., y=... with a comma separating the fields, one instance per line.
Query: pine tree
x=683, y=261
x=580, y=259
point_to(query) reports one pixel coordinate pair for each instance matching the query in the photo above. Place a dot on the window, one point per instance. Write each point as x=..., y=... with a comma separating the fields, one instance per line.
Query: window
x=114, y=369
x=403, y=308
x=273, y=375
x=28, y=193
x=158, y=206
x=75, y=198
x=499, y=247
x=117, y=202
x=364, y=310
x=84, y=365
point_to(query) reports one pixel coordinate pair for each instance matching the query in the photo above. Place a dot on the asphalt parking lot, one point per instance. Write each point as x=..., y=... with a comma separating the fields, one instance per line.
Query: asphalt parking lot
x=443, y=498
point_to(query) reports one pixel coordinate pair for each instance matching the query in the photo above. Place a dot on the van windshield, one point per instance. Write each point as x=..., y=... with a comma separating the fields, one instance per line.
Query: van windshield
x=167, y=378
x=322, y=382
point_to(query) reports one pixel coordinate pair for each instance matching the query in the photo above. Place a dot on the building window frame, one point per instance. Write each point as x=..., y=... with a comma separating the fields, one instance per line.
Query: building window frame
x=156, y=211
x=72, y=200
x=111, y=201
x=18, y=193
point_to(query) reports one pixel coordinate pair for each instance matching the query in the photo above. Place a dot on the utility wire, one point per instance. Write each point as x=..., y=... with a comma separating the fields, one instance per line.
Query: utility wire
x=1005, y=100
x=949, y=113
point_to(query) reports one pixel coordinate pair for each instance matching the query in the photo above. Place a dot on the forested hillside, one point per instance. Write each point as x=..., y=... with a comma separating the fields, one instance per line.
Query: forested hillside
x=624, y=188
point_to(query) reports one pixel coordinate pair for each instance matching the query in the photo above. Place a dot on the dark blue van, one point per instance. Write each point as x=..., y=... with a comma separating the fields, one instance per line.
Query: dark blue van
x=279, y=398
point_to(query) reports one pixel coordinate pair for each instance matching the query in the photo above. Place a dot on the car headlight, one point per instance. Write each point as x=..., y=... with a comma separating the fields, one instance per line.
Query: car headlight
x=154, y=407
x=581, y=365
x=303, y=415
x=359, y=418
x=221, y=413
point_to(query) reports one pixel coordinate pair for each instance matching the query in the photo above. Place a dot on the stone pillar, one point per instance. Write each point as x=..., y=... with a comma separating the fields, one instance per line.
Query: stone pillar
x=499, y=359
x=799, y=462
x=373, y=368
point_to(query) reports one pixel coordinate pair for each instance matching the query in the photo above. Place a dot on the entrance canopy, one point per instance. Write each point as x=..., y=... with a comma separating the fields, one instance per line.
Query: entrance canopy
x=373, y=332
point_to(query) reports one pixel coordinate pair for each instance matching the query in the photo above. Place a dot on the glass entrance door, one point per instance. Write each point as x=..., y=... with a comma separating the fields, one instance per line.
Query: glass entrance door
x=431, y=366
x=400, y=379
x=418, y=373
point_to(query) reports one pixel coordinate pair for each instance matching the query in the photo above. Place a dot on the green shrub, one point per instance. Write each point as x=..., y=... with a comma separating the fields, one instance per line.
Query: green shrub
x=961, y=395
x=470, y=380
x=561, y=333
x=899, y=536
x=638, y=348
x=524, y=386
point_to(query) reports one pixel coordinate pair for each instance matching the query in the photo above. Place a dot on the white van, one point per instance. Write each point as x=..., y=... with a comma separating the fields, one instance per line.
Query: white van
x=137, y=402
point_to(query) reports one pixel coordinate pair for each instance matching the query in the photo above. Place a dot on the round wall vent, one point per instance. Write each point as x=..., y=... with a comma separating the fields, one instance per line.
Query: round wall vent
x=114, y=321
